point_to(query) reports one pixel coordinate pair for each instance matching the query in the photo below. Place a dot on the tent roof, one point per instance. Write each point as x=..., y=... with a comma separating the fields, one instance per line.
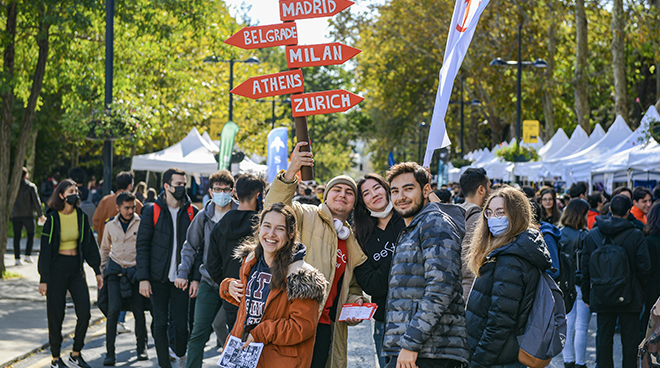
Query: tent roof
x=556, y=142
x=595, y=136
x=192, y=154
x=644, y=157
x=578, y=139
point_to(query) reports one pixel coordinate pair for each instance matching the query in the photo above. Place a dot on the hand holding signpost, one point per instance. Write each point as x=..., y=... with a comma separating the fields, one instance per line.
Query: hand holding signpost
x=298, y=160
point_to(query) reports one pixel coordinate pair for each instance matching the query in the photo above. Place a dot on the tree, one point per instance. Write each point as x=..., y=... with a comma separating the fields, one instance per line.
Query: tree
x=619, y=60
x=582, y=109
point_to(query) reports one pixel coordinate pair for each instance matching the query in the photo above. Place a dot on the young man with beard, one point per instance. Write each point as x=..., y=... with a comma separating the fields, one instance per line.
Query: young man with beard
x=159, y=241
x=425, y=317
x=331, y=248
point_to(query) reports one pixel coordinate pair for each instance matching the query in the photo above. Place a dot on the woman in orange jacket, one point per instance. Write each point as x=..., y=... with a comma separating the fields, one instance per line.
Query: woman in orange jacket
x=278, y=294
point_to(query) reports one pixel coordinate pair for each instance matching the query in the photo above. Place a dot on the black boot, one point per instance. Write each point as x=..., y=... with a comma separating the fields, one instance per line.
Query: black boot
x=142, y=354
x=569, y=365
x=109, y=359
x=580, y=366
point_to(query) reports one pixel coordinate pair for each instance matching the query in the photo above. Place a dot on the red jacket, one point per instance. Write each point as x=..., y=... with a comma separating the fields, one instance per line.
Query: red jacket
x=591, y=219
x=641, y=216
x=288, y=325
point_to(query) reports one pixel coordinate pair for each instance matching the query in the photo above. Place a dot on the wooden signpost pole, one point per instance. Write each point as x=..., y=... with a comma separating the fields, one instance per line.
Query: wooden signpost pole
x=302, y=135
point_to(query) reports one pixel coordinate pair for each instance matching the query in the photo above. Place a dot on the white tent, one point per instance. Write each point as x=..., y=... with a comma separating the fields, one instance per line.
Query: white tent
x=555, y=143
x=597, y=134
x=193, y=154
x=578, y=139
x=532, y=170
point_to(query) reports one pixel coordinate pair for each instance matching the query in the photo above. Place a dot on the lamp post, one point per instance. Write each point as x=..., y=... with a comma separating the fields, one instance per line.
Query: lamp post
x=463, y=103
x=538, y=63
x=250, y=61
x=273, y=101
x=422, y=125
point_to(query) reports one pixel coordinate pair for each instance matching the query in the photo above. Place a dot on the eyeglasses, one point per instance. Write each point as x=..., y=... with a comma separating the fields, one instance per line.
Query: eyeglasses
x=499, y=213
x=546, y=199
x=221, y=190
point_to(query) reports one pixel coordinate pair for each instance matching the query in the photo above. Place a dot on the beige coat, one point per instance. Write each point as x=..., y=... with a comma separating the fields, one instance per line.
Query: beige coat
x=119, y=245
x=317, y=233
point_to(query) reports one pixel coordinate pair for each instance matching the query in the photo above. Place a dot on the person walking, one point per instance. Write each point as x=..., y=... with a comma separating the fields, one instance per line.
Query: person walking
x=119, y=272
x=550, y=212
x=425, y=316
x=642, y=198
x=652, y=231
x=506, y=253
x=27, y=206
x=107, y=207
x=67, y=240
x=612, y=283
x=207, y=306
x=278, y=294
x=159, y=241
x=574, y=222
x=376, y=228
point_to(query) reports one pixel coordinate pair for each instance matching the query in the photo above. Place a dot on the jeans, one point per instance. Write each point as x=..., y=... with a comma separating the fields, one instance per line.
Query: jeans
x=115, y=303
x=206, y=308
x=18, y=223
x=577, y=322
x=629, y=323
x=167, y=300
x=322, y=345
x=379, y=332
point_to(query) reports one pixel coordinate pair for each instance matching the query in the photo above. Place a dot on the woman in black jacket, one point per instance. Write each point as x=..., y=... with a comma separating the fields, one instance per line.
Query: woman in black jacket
x=573, y=232
x=506, y=253
x=652, y=231
x=376, y=228
x=66, y=241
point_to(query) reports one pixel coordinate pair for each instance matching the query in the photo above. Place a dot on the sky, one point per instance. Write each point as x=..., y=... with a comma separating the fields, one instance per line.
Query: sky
x=310, y=31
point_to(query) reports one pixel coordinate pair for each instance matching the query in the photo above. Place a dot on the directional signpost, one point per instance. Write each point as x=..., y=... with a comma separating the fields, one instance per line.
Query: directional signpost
x=291, y=81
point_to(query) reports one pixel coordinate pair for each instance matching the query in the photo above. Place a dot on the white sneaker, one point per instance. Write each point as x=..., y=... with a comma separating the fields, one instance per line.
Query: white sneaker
x=173, y=356
x=28, y=259
x=18, y=263
x=122, y=328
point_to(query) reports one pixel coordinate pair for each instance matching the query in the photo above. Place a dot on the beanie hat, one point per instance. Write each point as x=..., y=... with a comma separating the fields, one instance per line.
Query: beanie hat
x=341, y=179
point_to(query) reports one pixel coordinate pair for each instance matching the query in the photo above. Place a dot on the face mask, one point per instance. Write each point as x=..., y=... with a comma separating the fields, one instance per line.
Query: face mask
x=498, y=226
x=221, y=199
x=179, y=192
x=72, y=199
x=383, y=214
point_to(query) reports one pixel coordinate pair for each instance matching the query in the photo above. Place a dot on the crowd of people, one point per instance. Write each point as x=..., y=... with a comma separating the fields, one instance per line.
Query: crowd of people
x=453, y=270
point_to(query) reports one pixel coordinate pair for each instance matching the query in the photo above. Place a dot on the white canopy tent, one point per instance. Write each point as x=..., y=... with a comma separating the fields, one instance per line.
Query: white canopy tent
x=532, y=170
x=193, y=154
x=555, y=143
x=578, y=139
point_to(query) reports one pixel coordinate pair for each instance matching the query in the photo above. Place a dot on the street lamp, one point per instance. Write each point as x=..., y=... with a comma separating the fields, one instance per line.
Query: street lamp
x=273, y=101
x=422, y=125
x=250, y=61
x=463, y=103
x=538, y=63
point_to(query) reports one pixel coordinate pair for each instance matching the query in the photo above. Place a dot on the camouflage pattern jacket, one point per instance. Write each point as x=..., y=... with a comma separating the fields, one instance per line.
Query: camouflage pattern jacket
x=425, y=306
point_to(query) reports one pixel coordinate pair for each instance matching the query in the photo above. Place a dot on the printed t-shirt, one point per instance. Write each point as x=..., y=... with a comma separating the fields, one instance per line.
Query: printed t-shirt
x=342, y=258
x=256, y=292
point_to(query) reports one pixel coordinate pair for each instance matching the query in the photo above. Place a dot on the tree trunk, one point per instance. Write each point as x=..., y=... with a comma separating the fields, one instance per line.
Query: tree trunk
x=582, y=109
x=31, y=151
x=619, y=60
x=5, y=128
x=8, y=193
x=549, y=83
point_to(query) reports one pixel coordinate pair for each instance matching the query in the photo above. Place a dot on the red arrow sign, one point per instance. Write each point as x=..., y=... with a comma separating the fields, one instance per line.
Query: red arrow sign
x=304, y=9
x=316, y=55
x=276, y=84
x=323, y=102
x=265, y=36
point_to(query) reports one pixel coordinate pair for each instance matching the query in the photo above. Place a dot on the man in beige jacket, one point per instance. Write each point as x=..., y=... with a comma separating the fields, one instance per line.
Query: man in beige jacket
x=331, y=248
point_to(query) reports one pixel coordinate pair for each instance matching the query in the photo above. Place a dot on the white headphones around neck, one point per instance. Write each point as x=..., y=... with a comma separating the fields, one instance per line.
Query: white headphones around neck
x=342, y=231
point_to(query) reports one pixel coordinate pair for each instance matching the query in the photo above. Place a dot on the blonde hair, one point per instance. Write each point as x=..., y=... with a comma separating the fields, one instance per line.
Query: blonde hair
x=482, y=242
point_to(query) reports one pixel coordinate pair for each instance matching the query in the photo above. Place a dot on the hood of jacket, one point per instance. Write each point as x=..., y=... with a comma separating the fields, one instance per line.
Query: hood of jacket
x=550, y=229
x=237, y=224
x=453, y=214
x=611, y=226
x=530, y=246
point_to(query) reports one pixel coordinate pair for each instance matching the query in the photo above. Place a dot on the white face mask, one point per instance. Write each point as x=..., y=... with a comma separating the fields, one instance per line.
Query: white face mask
x=383, y=214
x=221, y=199
x=498, y=226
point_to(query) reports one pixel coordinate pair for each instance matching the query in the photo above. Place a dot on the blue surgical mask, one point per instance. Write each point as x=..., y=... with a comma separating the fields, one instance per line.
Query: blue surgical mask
x=498, y=226
x=221, y=199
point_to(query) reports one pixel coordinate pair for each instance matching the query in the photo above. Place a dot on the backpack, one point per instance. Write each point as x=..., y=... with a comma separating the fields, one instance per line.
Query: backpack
x=545, y=333
x=566, y=279
x=649, y=349
x=190, y=210
x=87, y=206
x=611, y=277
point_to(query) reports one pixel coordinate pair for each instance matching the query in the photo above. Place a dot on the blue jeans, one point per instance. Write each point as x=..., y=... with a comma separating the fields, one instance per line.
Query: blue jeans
x=577, y=322
x=206, y=308
x=379, y=332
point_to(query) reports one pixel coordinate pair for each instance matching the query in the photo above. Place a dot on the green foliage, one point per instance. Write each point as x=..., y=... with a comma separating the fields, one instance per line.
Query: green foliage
x=460, y=162
x=517, y=153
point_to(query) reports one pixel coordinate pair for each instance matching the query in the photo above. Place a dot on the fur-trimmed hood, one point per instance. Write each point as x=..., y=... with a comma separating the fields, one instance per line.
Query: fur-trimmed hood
x=303, y=280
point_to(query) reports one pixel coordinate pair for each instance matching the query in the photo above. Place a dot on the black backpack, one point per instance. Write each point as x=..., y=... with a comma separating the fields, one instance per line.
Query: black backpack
x=566, y=279
x=611, y=276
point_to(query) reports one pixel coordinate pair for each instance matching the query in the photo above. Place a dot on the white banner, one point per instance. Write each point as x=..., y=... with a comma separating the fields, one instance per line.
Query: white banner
x=463, y=24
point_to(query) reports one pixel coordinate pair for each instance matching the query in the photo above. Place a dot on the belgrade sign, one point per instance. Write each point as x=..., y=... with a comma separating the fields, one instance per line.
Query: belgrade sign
x=259, y=37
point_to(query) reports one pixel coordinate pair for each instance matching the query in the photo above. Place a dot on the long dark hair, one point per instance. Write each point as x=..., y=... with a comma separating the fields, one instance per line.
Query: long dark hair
x=574, y=213
x=284, y=256
x=653, y=220
x=555, y=211
x=364, y=224
x=57, y=203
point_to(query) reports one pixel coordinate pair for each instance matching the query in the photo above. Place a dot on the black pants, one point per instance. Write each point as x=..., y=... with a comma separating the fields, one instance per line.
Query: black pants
x=428, y=363
x=605, y=339
x=322, y=345
x=167, y=300
x=66, y=274
x=18, y=223
x=115, y=303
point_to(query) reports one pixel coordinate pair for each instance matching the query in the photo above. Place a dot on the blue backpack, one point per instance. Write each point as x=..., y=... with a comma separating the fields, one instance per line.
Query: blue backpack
x=545, y=333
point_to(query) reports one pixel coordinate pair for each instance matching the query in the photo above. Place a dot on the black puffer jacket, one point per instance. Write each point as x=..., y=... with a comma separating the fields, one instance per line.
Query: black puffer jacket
x=154, y=243
x=502, y=298
x=572, y=243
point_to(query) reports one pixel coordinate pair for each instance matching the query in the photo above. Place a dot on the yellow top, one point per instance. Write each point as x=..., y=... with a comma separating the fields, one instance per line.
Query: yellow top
x=69, y=231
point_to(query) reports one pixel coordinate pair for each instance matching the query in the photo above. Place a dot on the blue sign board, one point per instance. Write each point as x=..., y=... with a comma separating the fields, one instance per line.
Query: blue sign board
x=278, y=151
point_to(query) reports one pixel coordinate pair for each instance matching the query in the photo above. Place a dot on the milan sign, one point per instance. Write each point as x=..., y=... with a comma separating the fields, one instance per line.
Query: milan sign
x=317, y=55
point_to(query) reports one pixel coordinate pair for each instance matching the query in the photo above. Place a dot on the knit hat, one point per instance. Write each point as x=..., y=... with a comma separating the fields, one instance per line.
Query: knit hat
x=341, y=179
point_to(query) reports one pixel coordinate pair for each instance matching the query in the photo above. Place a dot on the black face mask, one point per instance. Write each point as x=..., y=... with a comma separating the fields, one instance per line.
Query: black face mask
x=260, y=202
x=179, y=192
x=72, y=199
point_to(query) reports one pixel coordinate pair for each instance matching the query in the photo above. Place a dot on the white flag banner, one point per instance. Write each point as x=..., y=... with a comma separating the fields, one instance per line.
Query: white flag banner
x=463, y=24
